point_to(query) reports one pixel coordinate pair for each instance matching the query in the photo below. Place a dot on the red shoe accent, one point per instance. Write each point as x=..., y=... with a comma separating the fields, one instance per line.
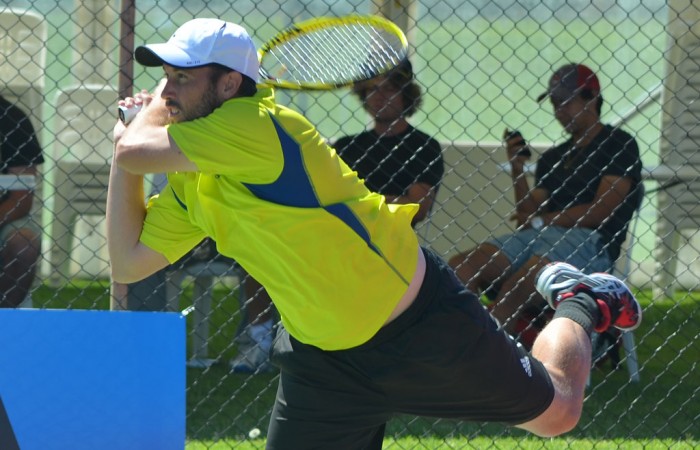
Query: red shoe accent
x=564, y=296
x=605, y=317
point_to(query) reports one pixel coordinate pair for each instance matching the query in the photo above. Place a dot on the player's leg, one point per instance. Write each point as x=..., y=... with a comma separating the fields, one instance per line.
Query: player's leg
x=322, y=402
x=447, y=357
x=565, y=350
x=583, y=303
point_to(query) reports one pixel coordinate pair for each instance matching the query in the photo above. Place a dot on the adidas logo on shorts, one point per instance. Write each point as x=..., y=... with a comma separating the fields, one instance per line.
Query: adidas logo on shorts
x=525, y=361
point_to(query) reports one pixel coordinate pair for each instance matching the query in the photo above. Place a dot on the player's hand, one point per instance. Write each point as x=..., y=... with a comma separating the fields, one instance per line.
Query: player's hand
x=132, y=106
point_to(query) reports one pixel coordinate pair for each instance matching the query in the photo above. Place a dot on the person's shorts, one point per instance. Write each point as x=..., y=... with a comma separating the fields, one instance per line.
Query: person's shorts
x=443, y=357
x=580, y=247
x=26, y=222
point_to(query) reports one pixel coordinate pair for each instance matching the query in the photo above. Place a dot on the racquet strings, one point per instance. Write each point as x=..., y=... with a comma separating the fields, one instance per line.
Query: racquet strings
x=335, y=55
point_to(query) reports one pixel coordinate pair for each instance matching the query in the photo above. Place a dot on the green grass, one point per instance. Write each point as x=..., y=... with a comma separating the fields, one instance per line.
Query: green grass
x=660, y=412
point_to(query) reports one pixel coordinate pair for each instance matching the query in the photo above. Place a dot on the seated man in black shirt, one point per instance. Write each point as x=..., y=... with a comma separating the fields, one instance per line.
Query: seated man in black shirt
x=394, y=158
x=585, y=193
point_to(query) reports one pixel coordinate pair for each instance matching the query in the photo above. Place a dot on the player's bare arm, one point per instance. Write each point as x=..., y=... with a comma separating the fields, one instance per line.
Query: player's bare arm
x=144, y=146
x=130, y=260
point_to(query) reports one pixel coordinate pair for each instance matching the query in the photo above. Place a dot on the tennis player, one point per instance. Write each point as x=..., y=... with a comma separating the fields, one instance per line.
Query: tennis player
x=372, y=324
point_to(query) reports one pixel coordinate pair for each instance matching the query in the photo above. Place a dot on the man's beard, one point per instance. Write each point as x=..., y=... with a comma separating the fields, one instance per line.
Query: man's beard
x=205, y=106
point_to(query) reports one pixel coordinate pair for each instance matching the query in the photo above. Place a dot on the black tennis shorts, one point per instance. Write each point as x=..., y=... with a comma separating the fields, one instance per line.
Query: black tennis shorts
x=443, y=357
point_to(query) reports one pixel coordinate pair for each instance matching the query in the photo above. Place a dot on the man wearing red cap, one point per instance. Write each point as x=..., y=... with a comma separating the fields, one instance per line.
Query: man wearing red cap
x=585, y=193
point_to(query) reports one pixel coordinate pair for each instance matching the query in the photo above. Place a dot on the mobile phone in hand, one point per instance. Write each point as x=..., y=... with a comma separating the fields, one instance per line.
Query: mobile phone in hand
x=525, y=151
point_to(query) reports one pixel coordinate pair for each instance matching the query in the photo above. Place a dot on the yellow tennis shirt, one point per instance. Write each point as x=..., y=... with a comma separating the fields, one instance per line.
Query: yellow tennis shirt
x=334, y=257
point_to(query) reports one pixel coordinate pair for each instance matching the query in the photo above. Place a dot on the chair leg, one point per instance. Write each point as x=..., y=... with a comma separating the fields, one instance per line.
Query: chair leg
x=200, y=330
x=666, y=256
x=27, y=302
x=631, y=355
x=242, y=308
x=62, y=237
x=173, y=289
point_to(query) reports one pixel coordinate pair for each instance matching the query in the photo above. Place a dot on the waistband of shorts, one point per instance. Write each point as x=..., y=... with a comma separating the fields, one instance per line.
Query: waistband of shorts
x=426, y=294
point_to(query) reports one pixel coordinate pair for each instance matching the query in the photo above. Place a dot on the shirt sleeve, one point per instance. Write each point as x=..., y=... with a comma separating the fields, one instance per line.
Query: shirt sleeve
x=167, y=228
x=20, y=146
x=624, y=157
x=430, y=158
x=237, y=140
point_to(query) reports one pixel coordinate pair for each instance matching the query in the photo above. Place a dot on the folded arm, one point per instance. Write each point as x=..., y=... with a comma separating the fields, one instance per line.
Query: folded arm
x=610, y=194
x=142, y=147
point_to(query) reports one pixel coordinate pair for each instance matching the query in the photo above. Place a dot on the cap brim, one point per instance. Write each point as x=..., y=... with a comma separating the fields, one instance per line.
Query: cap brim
x=542, y=96
x=153, y=55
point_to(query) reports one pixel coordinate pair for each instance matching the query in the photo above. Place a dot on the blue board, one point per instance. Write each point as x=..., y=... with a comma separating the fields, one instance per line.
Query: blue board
x=72, y=379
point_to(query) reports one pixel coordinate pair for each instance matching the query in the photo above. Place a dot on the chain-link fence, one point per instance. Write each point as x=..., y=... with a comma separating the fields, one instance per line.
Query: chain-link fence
x=481, y=65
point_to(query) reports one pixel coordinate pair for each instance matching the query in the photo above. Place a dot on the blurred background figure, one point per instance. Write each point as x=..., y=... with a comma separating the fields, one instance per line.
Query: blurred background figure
x=20, y=236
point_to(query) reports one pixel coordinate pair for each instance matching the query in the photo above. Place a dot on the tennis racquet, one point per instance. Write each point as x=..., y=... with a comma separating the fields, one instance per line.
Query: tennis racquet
x=331, y=52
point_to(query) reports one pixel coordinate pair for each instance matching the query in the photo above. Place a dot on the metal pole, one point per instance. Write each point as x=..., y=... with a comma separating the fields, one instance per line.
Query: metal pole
x=127, y=16
x=126, y=48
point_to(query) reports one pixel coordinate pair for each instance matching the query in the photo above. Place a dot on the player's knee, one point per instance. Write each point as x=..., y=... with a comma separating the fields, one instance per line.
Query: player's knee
x=561, y=417
x=565, y=421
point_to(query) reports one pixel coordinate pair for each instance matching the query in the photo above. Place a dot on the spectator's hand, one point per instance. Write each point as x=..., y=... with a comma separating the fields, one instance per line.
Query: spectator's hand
x=514, y=144
x=523, y=220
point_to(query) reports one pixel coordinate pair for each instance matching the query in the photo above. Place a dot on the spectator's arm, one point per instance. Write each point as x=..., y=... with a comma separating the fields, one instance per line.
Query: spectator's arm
x=17, y=203
x=529, y=206
x=421, y=193
x=611, y=192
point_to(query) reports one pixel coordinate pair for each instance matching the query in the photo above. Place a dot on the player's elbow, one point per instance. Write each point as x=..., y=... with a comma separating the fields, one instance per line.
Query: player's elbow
x=125, y=275
x=129, y=265
x=125, y=269
x=127, y=158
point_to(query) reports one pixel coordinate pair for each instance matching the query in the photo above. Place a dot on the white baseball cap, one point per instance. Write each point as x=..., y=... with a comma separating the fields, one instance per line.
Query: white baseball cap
x=199, y=42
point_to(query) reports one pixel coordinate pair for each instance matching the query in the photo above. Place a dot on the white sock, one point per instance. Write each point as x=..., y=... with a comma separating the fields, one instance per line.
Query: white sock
x=261, y=333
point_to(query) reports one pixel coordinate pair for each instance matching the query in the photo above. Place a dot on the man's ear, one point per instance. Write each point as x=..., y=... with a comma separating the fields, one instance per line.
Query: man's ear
x=230, y=83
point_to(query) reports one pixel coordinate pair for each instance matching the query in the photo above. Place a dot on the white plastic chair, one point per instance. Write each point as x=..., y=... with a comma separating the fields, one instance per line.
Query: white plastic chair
x=23, y=60
x=622, y=270
x=80, y=189
x=80, y=171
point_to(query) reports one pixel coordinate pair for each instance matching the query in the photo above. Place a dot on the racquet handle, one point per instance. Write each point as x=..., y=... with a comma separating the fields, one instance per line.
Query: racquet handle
x=127, y=114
